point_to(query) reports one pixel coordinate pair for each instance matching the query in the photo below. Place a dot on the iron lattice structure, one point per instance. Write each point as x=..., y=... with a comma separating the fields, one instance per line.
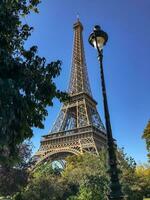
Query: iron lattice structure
x=78, y=127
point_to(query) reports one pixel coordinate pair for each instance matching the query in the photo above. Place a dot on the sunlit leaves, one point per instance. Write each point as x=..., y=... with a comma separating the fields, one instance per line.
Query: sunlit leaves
x=27, y=84
x=146, y=136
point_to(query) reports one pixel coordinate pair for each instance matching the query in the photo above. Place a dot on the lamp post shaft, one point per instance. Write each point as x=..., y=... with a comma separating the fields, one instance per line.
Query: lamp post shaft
x=98, y=39
x=115, y=187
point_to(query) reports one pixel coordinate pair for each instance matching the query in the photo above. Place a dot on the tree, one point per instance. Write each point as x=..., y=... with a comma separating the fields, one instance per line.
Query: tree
x=14, y=178
x=146, y=136
x=128, y=176
x=85, y=177
x=143, y=176
x=43, y=188
x=134, y=178
x=88, y=173
x=92, y=188
x=87, y=164
x=27, y=84
x=46, y=184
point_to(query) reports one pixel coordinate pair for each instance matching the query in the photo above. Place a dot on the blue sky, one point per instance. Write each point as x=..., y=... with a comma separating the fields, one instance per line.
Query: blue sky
x=126, y=60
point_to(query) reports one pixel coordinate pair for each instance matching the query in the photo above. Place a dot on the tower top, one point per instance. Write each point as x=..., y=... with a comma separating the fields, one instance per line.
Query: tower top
x=78, y=24
x=79, y=81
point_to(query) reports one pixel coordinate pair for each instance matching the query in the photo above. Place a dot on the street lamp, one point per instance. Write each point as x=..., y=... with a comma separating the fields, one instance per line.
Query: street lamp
x=98, y=39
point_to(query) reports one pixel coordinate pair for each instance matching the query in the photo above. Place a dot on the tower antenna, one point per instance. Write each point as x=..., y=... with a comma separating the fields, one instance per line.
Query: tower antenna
x=78, y=16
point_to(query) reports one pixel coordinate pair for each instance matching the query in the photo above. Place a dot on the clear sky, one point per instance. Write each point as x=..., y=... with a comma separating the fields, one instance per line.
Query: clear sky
x=126, y=60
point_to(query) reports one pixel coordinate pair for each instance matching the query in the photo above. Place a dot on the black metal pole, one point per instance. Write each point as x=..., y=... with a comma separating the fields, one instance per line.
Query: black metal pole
x=115, y=186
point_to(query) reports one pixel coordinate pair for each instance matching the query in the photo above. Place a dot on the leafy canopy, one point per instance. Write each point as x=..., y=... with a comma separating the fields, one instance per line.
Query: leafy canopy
x=13, y=178
x=146, y=136
x=27, y=84
x=46, y=184
x=134, y=178
x=85, y=177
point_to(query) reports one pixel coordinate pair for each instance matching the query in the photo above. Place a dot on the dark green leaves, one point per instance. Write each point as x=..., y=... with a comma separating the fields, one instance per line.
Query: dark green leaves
x=27, y=84
x=146, y=136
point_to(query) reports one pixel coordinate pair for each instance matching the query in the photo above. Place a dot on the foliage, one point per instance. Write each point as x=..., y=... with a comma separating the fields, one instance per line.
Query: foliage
x=92, y=188
x=128, y=176
x=88, y=173
x=26, y=79
x=14, y=178
x=146, y=136
x=135, y=179
x=81, y=166
x=85, y=178
x=143, y=176
x=45, y=169
x=46, y=184
x=44, y=188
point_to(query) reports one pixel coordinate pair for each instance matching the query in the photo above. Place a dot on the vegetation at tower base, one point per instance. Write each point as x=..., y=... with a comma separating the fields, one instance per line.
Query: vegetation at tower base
x=89, y=173
x=85, y=178
x=146, y=136
x=13, y=178
x=80, y=176
x=26, y=80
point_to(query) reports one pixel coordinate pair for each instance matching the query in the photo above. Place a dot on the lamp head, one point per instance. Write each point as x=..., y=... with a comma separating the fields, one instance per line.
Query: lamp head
x=98, y=38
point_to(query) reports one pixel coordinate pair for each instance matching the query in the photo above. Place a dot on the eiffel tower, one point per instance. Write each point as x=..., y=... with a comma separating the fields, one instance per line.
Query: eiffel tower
x=78, y=127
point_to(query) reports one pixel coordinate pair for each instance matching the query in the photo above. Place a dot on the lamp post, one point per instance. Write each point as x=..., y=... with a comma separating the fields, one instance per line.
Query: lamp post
x=98, y=39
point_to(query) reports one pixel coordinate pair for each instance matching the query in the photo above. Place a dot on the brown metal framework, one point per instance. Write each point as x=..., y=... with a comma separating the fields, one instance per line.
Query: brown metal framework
x=78, y=127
